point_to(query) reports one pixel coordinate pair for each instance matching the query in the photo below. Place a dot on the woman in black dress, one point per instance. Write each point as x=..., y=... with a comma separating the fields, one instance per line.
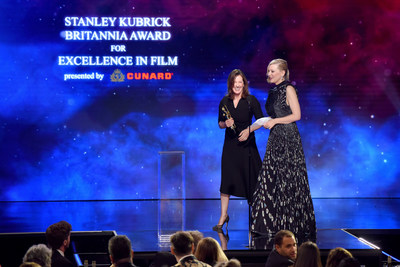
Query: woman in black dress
x=236, y=111
x=282, y=198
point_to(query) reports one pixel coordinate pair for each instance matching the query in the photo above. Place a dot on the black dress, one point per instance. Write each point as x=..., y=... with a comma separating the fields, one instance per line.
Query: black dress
x=282, y=198
x=235, y=178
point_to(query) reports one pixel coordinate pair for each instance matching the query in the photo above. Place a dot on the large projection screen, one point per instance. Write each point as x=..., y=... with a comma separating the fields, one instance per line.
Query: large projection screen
x=92, y=91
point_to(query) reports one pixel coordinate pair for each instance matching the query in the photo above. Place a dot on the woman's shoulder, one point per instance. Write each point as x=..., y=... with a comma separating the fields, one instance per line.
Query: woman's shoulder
x=224, y=100
x=285, y=85
x=290, y=87
x=251, y=97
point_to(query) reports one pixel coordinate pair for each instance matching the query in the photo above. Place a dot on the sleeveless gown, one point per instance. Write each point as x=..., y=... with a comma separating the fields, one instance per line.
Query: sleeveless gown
x=282, y=198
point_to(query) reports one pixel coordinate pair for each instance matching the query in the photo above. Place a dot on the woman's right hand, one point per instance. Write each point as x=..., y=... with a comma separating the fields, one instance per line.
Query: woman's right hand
x=229, y=123
x=269, y=124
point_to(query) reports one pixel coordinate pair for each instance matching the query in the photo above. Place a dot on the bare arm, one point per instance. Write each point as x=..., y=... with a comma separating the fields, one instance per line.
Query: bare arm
x=245, y=133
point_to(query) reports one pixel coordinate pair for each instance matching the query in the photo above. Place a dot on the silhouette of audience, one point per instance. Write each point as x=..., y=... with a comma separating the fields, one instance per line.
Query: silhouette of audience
x=188, y=248
x=39, y=254
x=308, y=255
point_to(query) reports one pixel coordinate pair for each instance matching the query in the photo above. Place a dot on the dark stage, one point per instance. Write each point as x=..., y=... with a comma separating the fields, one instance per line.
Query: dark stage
x=340, y=222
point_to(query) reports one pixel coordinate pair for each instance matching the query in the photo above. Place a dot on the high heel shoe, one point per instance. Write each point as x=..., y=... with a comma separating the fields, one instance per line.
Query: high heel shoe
x=218, y=227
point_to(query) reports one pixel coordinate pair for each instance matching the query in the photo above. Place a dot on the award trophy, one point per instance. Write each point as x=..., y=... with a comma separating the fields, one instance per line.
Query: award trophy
x=227, y=114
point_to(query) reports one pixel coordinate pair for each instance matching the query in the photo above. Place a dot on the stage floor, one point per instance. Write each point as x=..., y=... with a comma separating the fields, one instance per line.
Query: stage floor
x=140, y=220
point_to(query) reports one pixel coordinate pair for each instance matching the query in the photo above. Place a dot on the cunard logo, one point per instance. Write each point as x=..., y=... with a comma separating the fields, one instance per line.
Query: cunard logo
x=117, y=76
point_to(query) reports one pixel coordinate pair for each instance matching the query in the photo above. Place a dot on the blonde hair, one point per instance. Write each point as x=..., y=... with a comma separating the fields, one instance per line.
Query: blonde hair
x=282, y=65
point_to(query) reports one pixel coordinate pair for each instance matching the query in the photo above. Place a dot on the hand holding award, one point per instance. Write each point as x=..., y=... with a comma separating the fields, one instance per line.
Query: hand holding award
x=227, y=115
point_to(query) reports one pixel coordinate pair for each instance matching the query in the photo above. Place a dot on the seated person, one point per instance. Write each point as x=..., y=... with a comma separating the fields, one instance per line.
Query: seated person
x=121, y=253
x=182, y=247
x=308, y=255
x=285, y=250
x=39, y=254
x=336, y=255
x=165, y=258
x=209, y=251
x=58, y=237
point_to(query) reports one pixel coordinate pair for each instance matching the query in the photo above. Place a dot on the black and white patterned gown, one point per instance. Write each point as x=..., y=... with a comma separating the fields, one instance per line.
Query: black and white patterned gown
x=282, y=198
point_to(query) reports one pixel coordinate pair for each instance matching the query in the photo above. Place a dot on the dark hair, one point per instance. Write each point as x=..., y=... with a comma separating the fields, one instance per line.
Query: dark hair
x=182, y=243
x=336, y=255
x=39, y=254
x=280, y=235
x=231, y=82
x=119, y=247
x=57, y=233
x=308, y=255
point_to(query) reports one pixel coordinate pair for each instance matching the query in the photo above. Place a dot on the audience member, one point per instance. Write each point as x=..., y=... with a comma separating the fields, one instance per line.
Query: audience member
x=308, y=255
x=210, y=252
x=182, y=247
x=29, y=264
x=336, y=255
x=197, y=236
x=58, y=237
x=230, y=263
x=285, y=251
x=166, y=259
x=349, y=262
x=39, y=254
x=120, y=250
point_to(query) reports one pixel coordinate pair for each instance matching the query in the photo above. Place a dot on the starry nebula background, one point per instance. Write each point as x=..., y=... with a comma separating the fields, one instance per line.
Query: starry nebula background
x=92, y=140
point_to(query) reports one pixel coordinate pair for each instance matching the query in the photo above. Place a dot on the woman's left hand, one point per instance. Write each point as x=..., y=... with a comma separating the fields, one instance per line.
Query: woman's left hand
x=244, y=135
